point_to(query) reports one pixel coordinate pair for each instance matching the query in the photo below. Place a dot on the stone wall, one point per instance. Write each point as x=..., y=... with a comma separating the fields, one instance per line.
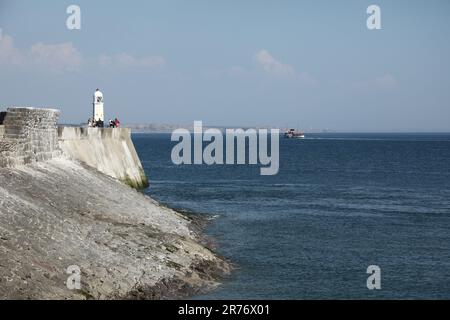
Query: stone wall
x=109, y=150
x=29, y=135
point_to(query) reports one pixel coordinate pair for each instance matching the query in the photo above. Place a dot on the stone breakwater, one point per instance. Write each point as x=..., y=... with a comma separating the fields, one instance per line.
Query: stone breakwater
x=30, y=135
x=57, y=212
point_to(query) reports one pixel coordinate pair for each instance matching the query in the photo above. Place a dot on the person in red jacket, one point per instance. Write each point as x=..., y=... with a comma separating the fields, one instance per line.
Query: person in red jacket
x=117, y=123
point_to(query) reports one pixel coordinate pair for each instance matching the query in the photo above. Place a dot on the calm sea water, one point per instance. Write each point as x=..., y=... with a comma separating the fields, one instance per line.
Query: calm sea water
x=340, y=203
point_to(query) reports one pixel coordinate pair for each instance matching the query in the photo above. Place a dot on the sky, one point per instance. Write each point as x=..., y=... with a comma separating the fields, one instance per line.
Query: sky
x=307, y=64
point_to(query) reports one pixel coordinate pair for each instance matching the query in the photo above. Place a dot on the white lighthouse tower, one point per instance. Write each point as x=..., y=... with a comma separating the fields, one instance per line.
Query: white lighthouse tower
x=98, y=110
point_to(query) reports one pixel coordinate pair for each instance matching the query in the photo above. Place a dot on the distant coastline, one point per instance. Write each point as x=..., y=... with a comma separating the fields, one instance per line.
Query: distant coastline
x=170, y=127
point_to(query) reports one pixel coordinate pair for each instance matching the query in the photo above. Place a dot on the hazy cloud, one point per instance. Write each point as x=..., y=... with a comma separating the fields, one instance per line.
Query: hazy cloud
x=53, y=57
x=237, y=71
x=274, y=67
x=271, y=65
x=9, y=55
x=57, y=57
x=125, y=60
x=387, y=81
x=384, y=82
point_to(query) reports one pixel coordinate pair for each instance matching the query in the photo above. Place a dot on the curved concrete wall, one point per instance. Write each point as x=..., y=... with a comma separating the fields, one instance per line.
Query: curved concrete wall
x=109, y=150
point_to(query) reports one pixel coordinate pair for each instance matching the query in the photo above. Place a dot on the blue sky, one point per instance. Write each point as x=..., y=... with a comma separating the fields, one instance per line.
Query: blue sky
x=246, y=63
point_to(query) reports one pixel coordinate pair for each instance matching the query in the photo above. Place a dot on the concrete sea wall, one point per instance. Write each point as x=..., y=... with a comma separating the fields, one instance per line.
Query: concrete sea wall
x=29, y=135
x=109, y=150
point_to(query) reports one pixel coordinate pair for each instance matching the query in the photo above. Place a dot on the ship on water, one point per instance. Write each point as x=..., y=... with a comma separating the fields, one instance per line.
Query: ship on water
x=294, y=134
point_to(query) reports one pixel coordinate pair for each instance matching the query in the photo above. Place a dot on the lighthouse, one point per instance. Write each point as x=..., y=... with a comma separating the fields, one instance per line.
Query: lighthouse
x=98, y=110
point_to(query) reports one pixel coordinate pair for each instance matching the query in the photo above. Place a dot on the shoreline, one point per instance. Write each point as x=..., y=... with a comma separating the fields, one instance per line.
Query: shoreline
x=179, y=288
x=60, y=213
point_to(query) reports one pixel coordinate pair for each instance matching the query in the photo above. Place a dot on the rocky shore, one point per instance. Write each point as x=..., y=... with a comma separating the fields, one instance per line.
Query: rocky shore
x=61, y=213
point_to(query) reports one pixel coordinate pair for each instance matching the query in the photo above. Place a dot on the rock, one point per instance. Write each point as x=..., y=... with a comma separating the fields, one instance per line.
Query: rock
x=71, y=214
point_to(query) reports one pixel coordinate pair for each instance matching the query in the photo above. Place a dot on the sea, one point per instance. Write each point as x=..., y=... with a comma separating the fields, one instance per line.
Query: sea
x=339, y=204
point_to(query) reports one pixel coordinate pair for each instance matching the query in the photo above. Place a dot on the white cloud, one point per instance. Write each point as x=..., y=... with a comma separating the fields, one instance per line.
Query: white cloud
x=273, y=66
x=64, y=57
x=57, y=57
x=52, y=57
x=125, y=60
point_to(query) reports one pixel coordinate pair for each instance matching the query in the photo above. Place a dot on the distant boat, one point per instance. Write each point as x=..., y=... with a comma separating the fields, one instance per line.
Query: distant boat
x=293, y=134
